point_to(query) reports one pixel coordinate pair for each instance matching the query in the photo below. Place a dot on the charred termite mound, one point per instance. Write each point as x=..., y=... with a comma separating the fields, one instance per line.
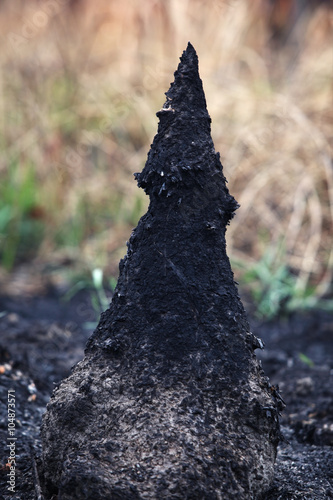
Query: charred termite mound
x=170, y=401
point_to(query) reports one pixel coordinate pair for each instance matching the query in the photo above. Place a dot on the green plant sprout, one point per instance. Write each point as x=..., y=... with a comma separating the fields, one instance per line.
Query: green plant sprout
x=274, y=288
x=306, y=360
x=21, y=227
x=99, y=299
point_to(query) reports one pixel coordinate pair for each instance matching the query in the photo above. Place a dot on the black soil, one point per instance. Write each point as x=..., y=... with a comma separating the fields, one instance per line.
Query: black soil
x=42, y=337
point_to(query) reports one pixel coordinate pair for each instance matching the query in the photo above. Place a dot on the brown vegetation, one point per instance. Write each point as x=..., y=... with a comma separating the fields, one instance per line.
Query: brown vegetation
x=80, y=84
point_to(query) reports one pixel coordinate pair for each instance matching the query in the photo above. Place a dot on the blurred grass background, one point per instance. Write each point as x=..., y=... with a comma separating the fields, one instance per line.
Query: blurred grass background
x=80, y=83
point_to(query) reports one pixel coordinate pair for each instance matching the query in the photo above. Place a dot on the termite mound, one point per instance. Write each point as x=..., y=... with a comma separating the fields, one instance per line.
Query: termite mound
x=170, y=401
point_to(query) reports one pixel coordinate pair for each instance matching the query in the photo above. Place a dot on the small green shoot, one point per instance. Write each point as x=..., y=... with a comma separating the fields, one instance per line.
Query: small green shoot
x=306, y=360
x=21, y=217
x=274, y=288
x=99, y=299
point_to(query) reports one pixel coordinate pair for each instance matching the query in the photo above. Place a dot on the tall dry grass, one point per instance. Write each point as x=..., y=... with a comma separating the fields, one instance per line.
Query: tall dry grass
x=80, y=83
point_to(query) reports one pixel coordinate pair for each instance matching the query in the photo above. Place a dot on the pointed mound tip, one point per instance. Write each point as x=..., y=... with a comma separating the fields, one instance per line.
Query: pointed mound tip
x=184, y=123
x=187, y=81
x=190, y=49
x=189, y=59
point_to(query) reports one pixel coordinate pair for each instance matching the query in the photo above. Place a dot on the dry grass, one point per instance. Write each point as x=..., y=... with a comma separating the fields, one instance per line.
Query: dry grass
x=79, y=88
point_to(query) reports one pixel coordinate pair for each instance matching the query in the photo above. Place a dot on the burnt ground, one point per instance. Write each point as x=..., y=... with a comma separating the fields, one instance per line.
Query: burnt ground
x=41, y=338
